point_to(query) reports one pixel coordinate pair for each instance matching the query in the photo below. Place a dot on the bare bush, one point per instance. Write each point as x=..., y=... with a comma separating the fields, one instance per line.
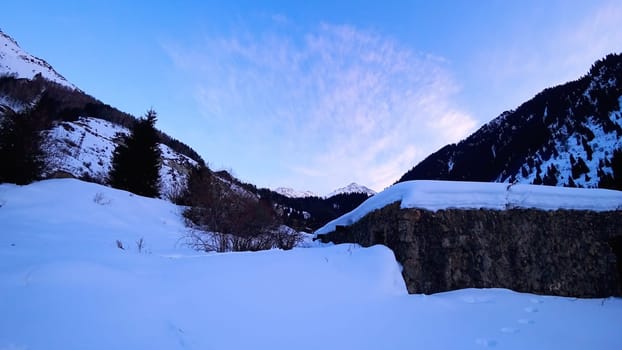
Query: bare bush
x=140, y=244
x=284, y=238
x=175, y=193
x=223, y=218
x=100, y=199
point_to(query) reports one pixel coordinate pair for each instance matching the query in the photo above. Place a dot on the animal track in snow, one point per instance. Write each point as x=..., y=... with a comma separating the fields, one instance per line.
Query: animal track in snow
x=509, y=330
x=487, y=343
x=526, y=321
x=476, y=299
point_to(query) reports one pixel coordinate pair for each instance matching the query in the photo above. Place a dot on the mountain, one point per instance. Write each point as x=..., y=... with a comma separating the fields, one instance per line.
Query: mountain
x=20, y=64
x=352, y=188
x=292, y=193
x=568, y=135
x=80, y=134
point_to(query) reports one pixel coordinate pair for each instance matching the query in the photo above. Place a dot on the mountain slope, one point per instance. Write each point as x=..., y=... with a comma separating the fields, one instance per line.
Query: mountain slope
x=292, y=193
x=80, y=132
x=568, y=135
x=15, y=61
x=84, y=149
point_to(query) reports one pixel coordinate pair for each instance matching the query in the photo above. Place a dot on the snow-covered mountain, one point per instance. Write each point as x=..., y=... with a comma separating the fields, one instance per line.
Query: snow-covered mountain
x=17, y=62
x=81, y=132
x=568, y=135
x=352, y=188
x=292, y=193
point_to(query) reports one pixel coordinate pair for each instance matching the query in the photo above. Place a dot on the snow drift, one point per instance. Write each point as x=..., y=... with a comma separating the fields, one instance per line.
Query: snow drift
x=64, y=284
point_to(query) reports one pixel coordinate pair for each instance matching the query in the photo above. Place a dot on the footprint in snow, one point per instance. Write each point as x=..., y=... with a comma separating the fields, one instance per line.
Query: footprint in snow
x=537, y=301
x=487, y=343
x=531, y=309
x=178, y=332
x=476, y=299
x=526, y=321
x=509, y=330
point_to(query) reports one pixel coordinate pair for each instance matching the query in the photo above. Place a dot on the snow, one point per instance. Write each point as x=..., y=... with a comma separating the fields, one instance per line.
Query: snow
x=292, y=193
x=14, y=60
x=64, y=284
x=84, y=148
x=437, y=195
x=351, y=188
x=602, y=145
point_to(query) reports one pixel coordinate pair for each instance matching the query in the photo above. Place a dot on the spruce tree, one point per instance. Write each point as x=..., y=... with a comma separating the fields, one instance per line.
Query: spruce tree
x=21, y=157
x=136, y=161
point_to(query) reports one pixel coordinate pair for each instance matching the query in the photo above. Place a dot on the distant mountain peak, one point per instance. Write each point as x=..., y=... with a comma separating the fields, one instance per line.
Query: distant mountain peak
x=352, y=188
x=17, y=62
x=292, y=193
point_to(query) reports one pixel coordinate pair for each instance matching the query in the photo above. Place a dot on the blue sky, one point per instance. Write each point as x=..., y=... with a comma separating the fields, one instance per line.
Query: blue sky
x=315, y=95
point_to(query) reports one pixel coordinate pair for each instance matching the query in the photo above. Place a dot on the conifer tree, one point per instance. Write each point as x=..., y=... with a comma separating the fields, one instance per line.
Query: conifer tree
x=21, y=158
x=136, y=161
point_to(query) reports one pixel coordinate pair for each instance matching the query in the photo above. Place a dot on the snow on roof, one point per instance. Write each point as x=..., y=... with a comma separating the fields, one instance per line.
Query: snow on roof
x=438, y=195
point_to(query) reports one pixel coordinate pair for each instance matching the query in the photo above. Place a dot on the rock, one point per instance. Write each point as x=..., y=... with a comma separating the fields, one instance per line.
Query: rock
x=563, y=252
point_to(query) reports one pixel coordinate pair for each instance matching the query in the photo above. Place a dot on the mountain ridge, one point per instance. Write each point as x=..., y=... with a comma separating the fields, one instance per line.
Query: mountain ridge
x=16, y=61
x=80, y=134
x=567, y=135
x=351, y=188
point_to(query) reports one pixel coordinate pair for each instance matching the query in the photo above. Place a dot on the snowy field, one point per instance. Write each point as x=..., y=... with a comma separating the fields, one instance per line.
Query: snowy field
x=64, y=284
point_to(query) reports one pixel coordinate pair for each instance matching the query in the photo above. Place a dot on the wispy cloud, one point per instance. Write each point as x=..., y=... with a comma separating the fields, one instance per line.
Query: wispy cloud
x=324, y=107
x=542, y=54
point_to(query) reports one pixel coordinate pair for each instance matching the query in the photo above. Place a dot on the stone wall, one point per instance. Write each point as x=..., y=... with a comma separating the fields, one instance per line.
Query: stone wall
x=563, y=252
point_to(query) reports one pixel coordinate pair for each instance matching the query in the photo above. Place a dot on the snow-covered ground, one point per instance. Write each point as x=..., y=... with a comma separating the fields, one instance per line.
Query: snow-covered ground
x=436, y=195
x=64, y=284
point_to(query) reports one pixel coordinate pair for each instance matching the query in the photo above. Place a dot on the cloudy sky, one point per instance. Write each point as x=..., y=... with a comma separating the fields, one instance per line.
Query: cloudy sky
x=317, y=94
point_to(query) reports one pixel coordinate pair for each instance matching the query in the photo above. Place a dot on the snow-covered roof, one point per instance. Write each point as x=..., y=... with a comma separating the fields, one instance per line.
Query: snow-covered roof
x=437, y=195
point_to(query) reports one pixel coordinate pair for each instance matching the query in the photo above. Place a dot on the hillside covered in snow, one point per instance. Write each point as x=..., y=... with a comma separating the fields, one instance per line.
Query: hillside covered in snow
x=16, y=62
x=567, y=135
x=87, y=266
x=83, y=148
